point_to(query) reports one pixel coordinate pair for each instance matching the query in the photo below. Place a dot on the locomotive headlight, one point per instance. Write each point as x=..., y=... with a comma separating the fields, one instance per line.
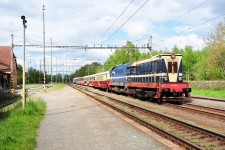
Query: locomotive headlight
x=165, y=78
x=180, y=78
x=173, y=56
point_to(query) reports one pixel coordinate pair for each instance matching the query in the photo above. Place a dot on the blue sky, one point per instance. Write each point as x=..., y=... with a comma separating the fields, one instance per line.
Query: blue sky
x=79, y=23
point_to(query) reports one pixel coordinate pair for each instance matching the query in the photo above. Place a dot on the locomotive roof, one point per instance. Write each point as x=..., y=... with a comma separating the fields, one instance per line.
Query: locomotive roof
x=102, y=73
x=120, y=65
x=156, y=57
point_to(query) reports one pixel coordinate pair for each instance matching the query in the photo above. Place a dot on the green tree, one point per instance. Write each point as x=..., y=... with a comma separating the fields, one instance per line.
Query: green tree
x=215, y=45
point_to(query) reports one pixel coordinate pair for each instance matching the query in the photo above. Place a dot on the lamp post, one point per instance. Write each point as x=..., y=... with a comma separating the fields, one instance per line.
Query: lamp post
x=24, y=26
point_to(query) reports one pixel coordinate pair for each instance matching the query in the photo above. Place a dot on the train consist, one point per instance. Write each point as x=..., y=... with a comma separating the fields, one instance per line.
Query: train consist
x=157, y=78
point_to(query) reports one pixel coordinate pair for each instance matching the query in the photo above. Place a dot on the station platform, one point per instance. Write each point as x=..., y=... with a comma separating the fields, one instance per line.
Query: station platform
x=73, y=121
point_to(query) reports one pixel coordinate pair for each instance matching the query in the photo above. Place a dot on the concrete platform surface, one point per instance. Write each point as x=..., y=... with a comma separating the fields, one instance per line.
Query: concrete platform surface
x=72, y=121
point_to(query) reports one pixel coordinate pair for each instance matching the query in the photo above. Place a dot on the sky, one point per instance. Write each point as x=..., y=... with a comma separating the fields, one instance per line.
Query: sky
x=81, y=23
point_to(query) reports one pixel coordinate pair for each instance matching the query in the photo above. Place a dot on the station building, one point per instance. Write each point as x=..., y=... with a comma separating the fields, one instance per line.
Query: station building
x=5, y=67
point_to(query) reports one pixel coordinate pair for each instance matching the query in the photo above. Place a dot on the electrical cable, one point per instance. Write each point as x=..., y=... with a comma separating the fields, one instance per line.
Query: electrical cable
x=189, y=29
x=120, y=26
x=114, y=22
x=169, y=22
x=109, y=27
x=125, y=22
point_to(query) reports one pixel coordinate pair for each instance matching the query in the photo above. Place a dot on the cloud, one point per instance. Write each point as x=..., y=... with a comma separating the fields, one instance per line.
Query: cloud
x=79, y=23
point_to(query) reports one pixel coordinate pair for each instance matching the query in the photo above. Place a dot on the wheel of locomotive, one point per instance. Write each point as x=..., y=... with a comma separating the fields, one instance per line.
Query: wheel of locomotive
x=107, y=88
x=160, y=100
x=180, y=102
x=150, y=99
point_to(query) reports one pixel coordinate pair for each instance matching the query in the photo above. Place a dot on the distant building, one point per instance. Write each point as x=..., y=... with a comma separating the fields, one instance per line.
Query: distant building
x=5, y=67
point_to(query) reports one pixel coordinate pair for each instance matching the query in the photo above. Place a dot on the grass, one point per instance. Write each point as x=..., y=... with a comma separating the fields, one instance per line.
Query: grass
x=18, y=126
x=211, y=93
x=57, y=86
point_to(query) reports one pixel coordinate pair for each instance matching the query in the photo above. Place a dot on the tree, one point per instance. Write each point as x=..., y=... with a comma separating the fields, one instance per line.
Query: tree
x=215, y=45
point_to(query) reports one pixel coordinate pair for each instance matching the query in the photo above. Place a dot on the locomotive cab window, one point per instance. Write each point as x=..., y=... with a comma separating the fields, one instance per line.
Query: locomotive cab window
x=113, y=72
x=172, y=67
x=128, y=71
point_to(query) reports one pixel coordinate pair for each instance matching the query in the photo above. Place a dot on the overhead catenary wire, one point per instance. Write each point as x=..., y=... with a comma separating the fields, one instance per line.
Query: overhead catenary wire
x=189, y=28
x=125, y=22
x=31, y=39
x=121, y=26
x=113, y=22
x=169, y=22
x=109, y=27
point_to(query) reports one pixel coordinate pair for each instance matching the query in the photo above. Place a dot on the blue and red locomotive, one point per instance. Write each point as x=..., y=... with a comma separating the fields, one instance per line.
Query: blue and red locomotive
x=159, y=77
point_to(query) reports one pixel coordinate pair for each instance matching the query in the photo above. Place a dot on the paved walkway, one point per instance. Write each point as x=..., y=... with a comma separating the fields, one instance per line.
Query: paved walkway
x=72, y=121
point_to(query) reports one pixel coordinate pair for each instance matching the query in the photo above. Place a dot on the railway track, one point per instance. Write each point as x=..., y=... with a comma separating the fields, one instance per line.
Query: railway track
x=208, y=98
x=8, y=98
x=184, y=134
x=213, y=113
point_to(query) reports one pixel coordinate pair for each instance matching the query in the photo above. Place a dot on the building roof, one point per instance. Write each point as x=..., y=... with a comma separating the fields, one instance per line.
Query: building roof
x=5, y=57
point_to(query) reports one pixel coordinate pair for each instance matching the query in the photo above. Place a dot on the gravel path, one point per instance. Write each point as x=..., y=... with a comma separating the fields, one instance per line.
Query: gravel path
x=72, y=121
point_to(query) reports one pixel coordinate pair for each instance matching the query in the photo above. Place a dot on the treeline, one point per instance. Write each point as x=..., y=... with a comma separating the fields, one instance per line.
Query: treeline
x=34, y=76
x=89, y=69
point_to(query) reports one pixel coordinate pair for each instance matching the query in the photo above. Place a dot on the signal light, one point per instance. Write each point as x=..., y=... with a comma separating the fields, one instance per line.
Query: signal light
x=23, y=17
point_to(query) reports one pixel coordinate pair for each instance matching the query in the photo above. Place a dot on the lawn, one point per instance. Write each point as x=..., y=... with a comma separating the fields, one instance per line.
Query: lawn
x=18, y=127
x=40, y=88
x=220, y=94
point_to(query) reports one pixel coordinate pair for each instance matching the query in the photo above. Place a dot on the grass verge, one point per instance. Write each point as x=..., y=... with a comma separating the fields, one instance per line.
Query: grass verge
x=220, y=94
x=18, y=126
x=57, y=86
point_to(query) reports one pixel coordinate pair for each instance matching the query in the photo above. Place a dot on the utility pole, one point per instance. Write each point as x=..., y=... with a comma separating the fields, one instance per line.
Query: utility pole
x=34, y=73
x=150, y=45
x=66, y=67
x=44, y=42
x=51, y=61
x=28, y=73
x=40, y=73
x=59, y=77
x=48, y=75
x=24, y=26
x=11, y=88
x=56, y=70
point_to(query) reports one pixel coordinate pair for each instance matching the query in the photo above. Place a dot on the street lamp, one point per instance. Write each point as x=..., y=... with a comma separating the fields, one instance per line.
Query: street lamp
x=24, y=26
